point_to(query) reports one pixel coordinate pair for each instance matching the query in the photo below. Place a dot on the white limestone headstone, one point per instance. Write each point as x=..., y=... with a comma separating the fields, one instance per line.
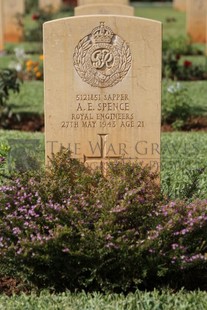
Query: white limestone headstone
x=53, y=5
x=94, y=9
x=13, y=11
x=102, y=78
x=1, y=27
x=196, y=13
x=179, y=5
x=85, y=2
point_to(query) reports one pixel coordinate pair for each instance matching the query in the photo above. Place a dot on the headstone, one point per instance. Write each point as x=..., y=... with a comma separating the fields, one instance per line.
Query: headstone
x=103, y=88
x=1, y=27
x=115, y=9
x=196, y=20
x=179, y=5
x=13, y=26
x=53, y=5
x=86, y=2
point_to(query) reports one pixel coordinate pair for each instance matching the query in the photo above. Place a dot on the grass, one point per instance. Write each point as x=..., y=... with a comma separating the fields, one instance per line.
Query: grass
x=173, y=21
x=196, y=60
x=29, y=47
x=29, y=99
x=5, y=135
x=82, y=301
x=182, y=156
x=5, y=61
x=196, y=91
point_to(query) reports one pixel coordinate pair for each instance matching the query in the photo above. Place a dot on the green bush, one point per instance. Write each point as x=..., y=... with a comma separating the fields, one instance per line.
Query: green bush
x=180, y=45
x=72, y=228
x=189, y=72
x=39, y=17
x=34, y=32
x=173, y=49
x=172, y=69
x=31, y=5
x=8, y=82
x=176, y=105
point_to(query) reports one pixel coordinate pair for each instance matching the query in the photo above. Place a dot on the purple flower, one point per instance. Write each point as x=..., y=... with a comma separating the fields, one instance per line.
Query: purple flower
x=2, y=160
x=174, y=246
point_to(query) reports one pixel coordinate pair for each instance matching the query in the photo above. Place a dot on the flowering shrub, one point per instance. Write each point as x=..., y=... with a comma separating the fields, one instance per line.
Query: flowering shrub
x=39, y=17
x=190, y=72
x=180, y=45
x=31, y=5
x=176, y=105
x=51, y=225
x=73, y=228
x=179, y=240
x=170, y=62
x=34, y=33
x=27, y=68
x=185, y=71
x=34, y=69
x=4, y=149
x=173, y=66
x=19, y=62
x=187, y=63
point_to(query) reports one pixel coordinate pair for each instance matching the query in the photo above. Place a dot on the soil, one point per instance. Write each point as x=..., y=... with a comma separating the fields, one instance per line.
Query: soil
x=28, y=122
x=196, y=124
x=10, y=286
x=193, y=124
x=35, y=122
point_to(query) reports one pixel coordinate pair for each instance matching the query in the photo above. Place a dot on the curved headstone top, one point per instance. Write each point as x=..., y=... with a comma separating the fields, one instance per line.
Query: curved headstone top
x=85, y=2
x=114, y=9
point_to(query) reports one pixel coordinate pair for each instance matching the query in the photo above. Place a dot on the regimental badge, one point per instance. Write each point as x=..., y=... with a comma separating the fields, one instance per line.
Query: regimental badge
x=102, y=58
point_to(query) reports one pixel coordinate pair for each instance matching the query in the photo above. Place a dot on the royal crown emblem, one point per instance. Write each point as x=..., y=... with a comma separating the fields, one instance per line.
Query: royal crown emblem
x=102, y=58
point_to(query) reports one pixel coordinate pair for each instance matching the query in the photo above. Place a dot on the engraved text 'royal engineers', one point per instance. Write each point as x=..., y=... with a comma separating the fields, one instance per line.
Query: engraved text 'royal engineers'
x=102, y=58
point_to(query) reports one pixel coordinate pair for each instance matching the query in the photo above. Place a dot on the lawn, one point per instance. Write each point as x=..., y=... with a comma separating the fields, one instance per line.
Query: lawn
x=173, y=21
x=137, y=301
x=183, y=155
x=29, y=99
x=31, y=96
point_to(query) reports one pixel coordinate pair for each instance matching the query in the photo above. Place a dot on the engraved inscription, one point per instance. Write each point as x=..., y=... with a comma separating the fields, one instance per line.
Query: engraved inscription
x=102, y=111
x=102, y=58
x=103, y=158
x=102, y=151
